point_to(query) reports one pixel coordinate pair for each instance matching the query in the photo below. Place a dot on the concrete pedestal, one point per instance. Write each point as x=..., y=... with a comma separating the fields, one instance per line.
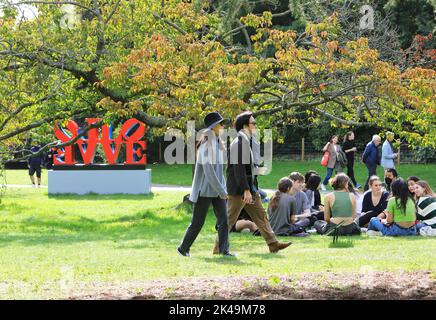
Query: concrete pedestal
x=99, y=181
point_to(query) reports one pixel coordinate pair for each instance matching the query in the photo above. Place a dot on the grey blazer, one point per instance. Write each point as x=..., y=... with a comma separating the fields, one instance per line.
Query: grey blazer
x=209, y=172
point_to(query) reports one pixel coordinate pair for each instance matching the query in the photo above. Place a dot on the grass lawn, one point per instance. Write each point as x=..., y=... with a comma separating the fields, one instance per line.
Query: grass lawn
x=46, y=242
x=182, y=174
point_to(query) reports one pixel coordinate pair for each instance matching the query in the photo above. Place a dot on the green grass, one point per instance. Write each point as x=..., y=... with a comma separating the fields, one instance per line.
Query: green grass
x=182, y=174
x=133, y=238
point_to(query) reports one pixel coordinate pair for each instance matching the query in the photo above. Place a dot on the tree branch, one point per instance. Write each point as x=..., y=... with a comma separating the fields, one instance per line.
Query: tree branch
x=21, y=108
x=156, y=16
x=60, y=145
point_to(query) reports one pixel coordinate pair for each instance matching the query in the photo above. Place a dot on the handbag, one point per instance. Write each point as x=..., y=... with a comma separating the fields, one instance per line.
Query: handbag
x=325, y=159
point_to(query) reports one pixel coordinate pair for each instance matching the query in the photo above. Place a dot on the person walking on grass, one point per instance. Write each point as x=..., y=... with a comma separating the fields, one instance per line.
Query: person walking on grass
x=242, y=184
x=208, y=186
x=350, y=149
x=400, y=215
x=370, y=158
x=336, y=160
x=34, y=164
x=388, y=155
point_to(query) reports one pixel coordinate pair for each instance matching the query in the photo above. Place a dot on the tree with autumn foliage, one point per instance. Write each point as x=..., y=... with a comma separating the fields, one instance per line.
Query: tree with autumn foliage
x=166, y=62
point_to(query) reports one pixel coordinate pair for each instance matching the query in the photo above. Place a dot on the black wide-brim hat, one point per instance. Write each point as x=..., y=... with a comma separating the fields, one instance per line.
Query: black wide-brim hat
x=213, y=118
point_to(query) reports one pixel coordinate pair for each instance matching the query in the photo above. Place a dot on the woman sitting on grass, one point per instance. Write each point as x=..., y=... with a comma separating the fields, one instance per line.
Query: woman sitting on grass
x=400, y=215
x=339, y=207
x=411, y=182
x=426, y=205
x=282, y=209
x=374, y=202
x=311, y=190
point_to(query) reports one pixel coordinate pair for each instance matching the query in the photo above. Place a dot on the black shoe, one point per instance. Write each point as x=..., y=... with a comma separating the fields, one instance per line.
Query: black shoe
x=182, y=253
x=228, y=254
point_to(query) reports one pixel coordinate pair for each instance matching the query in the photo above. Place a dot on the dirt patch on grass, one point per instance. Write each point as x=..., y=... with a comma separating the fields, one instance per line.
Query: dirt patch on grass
x=364, y=285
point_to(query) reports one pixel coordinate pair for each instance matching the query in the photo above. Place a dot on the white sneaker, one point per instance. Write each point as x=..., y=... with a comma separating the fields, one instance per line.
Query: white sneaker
x=323, y=188
x=311, y=230
x=33, y=186
x=364, y=230
x=373, y=233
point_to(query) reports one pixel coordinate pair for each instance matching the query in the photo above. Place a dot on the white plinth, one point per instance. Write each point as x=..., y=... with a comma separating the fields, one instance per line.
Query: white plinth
x=99, y=181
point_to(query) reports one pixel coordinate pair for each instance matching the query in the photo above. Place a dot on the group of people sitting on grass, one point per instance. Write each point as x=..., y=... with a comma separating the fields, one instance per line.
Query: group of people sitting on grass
x=296, y=208
x=408, y=209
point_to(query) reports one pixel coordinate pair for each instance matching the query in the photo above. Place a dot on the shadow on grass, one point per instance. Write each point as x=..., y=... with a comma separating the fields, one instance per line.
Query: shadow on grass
x=144, y=225
x=224, y=260
x=268, y=255
x=94, y=196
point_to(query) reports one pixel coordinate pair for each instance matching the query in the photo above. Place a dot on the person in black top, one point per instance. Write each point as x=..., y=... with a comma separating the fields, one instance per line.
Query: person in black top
x=34, y=164
x=242, y=186
x=390, y=176
x=350, y=149
x=374, y=202
x=48, y=159
x=313, y=195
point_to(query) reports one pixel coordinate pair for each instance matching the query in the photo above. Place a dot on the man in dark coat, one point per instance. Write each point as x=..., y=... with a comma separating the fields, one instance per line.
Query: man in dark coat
x=371, y=158
x=242, y=186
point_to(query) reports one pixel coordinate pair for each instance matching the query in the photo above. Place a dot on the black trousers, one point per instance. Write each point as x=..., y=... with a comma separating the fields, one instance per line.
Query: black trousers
x=199, y=216
x=322, y=227
x=372, y=170
x=364, y=219
x=350, y=171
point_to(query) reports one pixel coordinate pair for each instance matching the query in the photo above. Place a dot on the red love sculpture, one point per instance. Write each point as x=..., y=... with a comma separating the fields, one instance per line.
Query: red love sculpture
x=130, y=134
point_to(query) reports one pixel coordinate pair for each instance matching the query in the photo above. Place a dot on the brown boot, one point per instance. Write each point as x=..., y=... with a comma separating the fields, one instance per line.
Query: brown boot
x=216, y=249
x=276, y=246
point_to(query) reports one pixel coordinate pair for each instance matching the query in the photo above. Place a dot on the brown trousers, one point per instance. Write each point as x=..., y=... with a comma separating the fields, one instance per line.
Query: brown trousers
x=257, y=213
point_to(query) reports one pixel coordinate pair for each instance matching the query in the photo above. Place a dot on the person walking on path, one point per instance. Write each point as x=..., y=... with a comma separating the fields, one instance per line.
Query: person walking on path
x=350, y=149
x=208, y=186
x=370, y=158
x=34, y=164
x=242, y=184
x=333, y=149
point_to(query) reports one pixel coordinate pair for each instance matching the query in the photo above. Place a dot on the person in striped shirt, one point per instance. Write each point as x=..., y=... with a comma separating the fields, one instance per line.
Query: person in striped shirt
x=426, y=206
